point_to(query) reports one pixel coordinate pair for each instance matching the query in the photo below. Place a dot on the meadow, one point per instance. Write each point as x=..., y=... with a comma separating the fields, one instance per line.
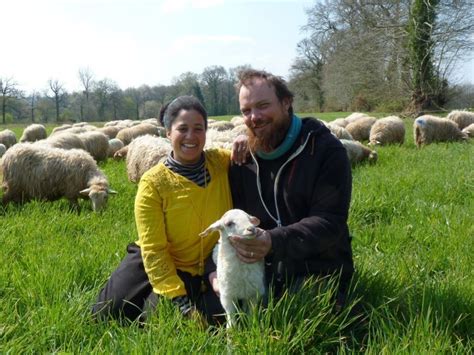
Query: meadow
x=411, y=219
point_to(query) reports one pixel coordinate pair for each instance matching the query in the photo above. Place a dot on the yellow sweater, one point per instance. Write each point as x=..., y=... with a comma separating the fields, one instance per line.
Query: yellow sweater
x=170, y=212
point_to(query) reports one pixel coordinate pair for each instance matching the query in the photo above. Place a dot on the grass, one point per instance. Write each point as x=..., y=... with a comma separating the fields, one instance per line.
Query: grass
x=411, y=221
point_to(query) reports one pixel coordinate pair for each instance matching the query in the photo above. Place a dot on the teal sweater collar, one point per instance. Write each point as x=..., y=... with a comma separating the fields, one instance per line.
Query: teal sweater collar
x=287, y=143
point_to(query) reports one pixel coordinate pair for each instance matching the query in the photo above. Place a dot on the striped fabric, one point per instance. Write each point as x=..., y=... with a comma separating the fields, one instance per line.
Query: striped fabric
x=197, y=173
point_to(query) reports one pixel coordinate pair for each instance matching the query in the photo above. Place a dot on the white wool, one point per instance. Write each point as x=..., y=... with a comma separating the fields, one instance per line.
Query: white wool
x=357, y=152
x=387, y=130
x=237, y=280
x=34, y=132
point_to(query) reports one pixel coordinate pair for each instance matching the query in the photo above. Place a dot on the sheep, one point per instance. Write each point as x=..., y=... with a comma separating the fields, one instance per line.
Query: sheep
x=126, y=135
x=469, y=130
x=36, y=171
x=342, y=122
x=357, y=152
x=3, y=149
x=219, y=139
x=96, y=143
x=7, y=138
x=221, y=125
x=144, y=153
x=61, y=128
x=360, y=129
x=462, y=118
x=152, y=120
x=428, y=129
x=354, y=117
x=236, y=280
x=121, y=154
x=239, y=129
x=33, y=132
x=110, y=131
x=114, y=145
x=64, y=140
x=387, y=130
x=237, y=120
x=338, y=131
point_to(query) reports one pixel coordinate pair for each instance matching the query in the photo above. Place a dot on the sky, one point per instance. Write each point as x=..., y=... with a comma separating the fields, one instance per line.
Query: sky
x=136, y=42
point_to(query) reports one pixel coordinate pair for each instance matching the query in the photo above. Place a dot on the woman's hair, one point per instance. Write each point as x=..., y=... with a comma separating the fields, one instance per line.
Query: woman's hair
x=170, y=111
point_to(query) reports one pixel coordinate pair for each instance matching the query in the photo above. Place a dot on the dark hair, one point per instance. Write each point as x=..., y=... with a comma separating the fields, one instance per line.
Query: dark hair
x=282, y=92
x=170, y=111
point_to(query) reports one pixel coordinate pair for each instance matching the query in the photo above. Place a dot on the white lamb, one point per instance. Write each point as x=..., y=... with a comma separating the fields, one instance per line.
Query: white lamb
x=236, y=280
x=34, y=132
x=37, y=171
x=387, y=130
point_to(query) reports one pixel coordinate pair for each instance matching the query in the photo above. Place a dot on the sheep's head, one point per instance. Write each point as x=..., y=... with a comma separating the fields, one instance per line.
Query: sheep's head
x=234, y=222
x=98, y=196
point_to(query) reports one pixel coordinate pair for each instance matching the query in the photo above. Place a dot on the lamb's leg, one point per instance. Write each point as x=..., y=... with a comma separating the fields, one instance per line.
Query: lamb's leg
x=229, y=309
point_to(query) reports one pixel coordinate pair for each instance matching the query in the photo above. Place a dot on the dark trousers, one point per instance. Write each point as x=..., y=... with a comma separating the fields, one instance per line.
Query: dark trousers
x=128, y=294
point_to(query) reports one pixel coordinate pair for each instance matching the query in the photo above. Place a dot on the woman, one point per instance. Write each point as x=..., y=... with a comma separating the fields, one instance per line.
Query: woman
x=176, y=200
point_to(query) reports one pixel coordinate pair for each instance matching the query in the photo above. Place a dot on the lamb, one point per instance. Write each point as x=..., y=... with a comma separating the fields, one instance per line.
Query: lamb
x=360, y=129
x=36, y=171
x=469, y=130
x=357, y=152
x=96, y=143
x=462, y=118
x=387, y=130
x=338, y=131
x=144, y=153
x=114, y=145
x=7, y=138
x=3, y=149
x=34, y=132
x=428, y=129
x=236, y=280
x=126, y=135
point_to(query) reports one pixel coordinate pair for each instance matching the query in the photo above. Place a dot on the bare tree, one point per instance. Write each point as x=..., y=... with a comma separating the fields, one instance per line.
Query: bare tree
x=8, y=89
x=33, y=98
x=58, y=91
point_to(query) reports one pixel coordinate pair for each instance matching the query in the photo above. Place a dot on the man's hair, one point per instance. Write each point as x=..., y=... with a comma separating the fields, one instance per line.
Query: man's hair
x=277, y=82
x=170, y=111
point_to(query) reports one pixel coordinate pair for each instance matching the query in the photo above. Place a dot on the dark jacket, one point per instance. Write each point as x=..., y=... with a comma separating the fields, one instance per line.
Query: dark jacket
x=311, y=185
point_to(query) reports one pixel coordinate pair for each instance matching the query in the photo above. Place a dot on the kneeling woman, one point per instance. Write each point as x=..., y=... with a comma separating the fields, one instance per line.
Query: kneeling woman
x=176, y=200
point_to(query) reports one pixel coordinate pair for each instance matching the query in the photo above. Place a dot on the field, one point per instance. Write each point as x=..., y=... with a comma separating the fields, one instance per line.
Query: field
x=413, y=241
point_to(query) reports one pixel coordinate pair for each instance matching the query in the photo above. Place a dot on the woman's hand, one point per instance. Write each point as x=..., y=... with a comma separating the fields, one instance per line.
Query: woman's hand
x=240, y=149
x=252, y=250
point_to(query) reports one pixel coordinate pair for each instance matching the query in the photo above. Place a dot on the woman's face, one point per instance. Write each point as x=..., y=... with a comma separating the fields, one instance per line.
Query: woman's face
x=188, y=136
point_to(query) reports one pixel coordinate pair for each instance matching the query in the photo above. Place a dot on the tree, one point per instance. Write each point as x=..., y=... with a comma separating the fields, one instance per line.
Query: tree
x=8, y=89
x=212, y=79
x=102, y=94
x=87, y=80
x=58, y=95
x=32, y=101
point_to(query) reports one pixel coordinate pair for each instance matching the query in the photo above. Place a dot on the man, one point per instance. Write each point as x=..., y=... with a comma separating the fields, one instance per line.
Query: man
x=298, y=183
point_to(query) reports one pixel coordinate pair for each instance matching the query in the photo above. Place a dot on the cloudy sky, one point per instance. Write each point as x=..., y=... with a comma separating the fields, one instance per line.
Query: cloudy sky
x=135, y=42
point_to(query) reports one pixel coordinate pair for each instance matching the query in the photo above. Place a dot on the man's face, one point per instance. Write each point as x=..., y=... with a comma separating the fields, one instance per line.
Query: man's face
x=266, y=117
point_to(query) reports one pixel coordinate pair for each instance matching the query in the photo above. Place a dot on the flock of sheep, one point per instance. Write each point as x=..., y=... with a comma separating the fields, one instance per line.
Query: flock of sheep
x=64, y=164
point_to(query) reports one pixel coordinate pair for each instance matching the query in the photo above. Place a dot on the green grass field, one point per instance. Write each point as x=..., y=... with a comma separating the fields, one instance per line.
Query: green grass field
x=412, y=222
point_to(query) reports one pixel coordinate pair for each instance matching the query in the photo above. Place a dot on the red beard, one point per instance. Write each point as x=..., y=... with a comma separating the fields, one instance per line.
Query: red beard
x=270, y=141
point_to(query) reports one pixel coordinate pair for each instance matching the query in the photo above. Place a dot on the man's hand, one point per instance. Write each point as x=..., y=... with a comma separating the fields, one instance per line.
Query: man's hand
x=252, y=250
x=240, y=149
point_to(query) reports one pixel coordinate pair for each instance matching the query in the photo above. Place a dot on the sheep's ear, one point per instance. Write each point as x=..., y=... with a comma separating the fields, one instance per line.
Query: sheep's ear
x=254, y=220
x=85, y=192
x=112, y=192
x=213, y=227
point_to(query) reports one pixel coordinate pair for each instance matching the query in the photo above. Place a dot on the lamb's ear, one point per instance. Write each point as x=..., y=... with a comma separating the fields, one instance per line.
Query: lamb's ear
x=213, y=227
x=254, y=220
x=85, y=192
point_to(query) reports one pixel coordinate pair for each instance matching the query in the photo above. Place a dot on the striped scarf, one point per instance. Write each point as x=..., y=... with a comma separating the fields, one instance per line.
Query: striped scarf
x=197, y=173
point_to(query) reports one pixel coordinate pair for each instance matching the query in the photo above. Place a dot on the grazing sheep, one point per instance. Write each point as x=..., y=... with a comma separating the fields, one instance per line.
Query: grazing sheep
x=219, y=139
x=340, y=122
x=153, y=121
x=121, y=154
x=357, y=152
x=221, y=125
x=338, y=131
x=34, y=132
x=144, y=153
x=387, y=130
x=115, y=145
x=7, y=137
x=40, y=172
x=236, y=280
x=462, y=118
x=469, y=130
x=64, y=140
x=60, y=128
x=360, y=129
x=237, y=120
x=428, y=129
x=126, y=135
x=355, y=116
x=96, y=143
x=110, y=131
x=239, y=129
x=3, y=149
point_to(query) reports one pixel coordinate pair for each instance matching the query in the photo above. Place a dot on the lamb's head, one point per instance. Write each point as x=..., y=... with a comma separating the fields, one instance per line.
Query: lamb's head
x=98, y=195
x=234, y=222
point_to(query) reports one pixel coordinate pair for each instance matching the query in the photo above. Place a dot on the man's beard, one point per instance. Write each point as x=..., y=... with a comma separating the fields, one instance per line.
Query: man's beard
x=270, y=141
